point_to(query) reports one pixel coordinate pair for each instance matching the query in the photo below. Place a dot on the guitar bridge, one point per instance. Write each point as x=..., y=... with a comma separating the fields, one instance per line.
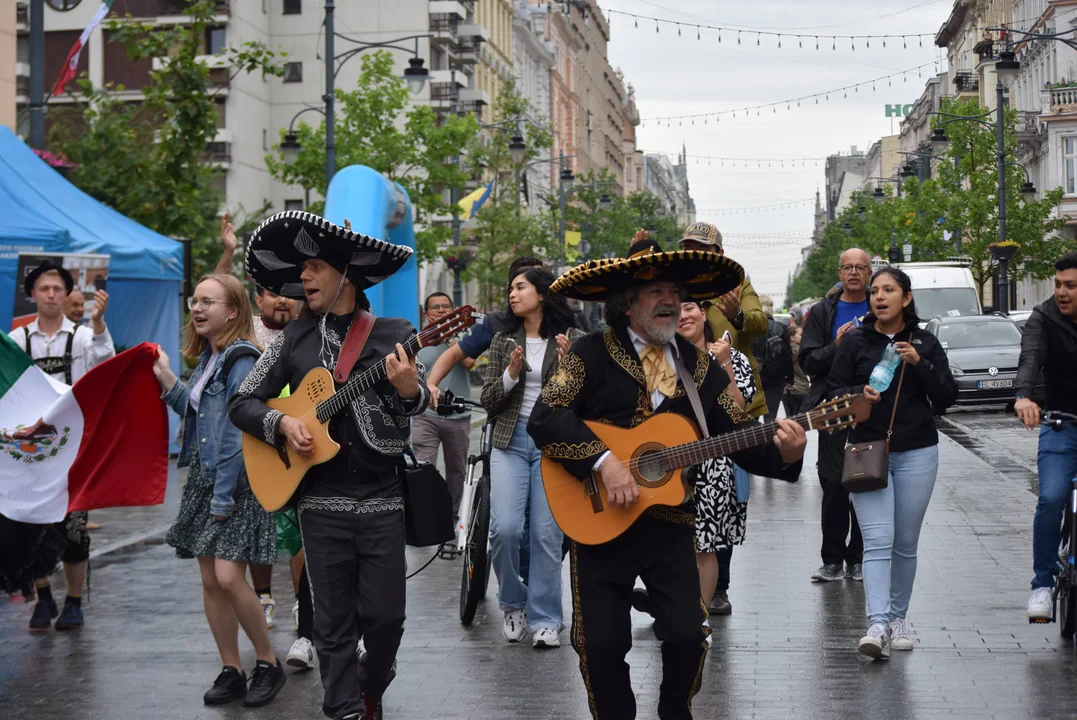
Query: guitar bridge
x=282, y=452
x=590, y=486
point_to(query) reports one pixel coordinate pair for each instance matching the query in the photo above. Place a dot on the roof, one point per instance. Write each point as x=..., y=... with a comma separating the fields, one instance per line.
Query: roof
x=38, y=202
x=953, y=23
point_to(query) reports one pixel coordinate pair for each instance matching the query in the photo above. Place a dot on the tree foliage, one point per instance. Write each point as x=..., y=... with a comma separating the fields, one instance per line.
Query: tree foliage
x=417, y=153
x=148, y=160
x=953, y=213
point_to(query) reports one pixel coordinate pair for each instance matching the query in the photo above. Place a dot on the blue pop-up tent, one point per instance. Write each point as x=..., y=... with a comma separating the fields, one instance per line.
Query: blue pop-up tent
x=40, y=211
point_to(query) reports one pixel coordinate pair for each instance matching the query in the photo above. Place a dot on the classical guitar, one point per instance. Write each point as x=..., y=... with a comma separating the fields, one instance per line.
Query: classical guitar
x=275, y=472
x=655, y=452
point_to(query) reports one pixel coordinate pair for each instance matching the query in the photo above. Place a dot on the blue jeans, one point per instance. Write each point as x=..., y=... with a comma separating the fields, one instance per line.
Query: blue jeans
x=1057, y=466
x=890, y=521
x=516, y=480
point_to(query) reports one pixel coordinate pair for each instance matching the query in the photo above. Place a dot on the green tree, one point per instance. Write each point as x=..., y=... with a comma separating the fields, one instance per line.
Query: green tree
x=149, y=160
x=415, y=154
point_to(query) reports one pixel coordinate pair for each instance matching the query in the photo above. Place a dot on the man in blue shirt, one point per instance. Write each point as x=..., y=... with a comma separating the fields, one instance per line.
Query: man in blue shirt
x=824, y=326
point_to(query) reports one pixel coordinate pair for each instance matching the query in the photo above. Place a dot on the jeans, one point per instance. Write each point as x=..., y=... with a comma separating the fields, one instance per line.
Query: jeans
x=516, y=480
x=1057, y=466
x=890, y=520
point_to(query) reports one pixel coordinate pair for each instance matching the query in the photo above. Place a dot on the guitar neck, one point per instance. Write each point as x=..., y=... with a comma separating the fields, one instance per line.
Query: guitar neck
x=693, y=453
x=358, y=385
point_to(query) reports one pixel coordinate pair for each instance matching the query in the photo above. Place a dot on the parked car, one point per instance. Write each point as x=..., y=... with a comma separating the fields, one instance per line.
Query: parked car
x=1020, y=317
x=983, y=352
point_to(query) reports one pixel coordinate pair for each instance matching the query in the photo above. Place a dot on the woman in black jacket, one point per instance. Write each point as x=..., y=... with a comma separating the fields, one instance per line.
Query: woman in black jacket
x=890, y=519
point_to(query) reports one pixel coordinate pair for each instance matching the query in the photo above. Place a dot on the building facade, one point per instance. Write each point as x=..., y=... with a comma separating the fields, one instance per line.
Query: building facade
x=534, y=56
x=844, y=175
x=669, y=183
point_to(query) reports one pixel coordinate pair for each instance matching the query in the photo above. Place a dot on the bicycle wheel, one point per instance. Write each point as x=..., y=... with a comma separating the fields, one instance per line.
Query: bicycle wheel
x=476, y=565
x=1066, y=595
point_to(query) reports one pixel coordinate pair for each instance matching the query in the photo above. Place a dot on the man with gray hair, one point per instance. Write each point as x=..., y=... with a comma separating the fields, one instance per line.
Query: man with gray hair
x=824, y=327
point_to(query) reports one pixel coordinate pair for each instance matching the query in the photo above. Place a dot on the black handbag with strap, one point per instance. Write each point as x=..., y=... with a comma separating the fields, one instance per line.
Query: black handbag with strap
x=427, y=505
x=867, y=464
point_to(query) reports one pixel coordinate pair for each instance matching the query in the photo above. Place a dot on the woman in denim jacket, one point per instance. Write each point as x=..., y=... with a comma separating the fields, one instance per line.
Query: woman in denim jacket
x=220, y=522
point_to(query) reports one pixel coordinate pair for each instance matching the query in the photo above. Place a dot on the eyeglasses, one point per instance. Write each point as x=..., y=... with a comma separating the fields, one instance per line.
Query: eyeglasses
x=442, y=306
x=193, y=302
x=853, y=268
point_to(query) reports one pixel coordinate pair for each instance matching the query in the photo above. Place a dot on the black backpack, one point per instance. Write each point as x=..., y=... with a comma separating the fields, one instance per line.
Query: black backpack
x=773, y=353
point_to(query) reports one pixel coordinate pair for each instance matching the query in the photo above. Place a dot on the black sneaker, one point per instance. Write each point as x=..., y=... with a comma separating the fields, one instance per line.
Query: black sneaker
x=266, y=682
x=230, y=685
x=44, y=613
x=373, y=707
x=720, y=605
x=855, y=571
x=641, y=600
x=829, y=573
x=70, y=618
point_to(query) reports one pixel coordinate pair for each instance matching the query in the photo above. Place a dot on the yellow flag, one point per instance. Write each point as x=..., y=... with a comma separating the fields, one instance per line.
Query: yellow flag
x=572, y=238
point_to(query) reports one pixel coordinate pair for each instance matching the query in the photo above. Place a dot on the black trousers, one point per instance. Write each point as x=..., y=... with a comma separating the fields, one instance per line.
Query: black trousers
x=355, y=562
x=842, y=541
x=725, y=559
x=662, y=552
x=794, y=404
x=773, y=394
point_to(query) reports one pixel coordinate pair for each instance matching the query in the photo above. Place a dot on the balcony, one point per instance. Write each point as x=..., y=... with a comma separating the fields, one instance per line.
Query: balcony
x=475, y=95
x=1063, y=100
x=443, y=8
x=219, y=152
x=1028, y=125
x=466, y=53
x=967, y=84
x=160, y=8
x=444, y=29
x=472, y=31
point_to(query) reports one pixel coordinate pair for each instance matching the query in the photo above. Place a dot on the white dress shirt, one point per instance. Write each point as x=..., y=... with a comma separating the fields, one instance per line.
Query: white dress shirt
x=657, y=396
x=87, y=349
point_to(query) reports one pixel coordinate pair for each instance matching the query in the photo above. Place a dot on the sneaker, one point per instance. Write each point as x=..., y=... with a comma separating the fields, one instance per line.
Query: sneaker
x=44, y=613
x=876, y=644
x=266, y=682
x=269, y=606
x=546, y=638
x=900, y=635
x=515, y=624
x=828, y=573
x=295, y=615
x=720, y=605
x=70, y=618
x=301, y=655
x=373, y=707
x=1039, y=605
x=855, y=571
x=641, y=600
x=230, y=685
x=707, y=632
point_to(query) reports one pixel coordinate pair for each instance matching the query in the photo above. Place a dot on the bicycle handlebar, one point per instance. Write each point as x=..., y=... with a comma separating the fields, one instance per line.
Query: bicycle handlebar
x=452, y=405
x=1055, y=419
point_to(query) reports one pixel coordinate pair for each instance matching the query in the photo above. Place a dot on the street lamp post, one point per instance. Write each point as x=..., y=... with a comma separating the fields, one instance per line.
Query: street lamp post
x=454, y=200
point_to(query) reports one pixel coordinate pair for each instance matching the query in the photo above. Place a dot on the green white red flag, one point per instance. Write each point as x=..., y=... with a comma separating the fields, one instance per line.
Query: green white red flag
x=101, y=443
x=71, y=64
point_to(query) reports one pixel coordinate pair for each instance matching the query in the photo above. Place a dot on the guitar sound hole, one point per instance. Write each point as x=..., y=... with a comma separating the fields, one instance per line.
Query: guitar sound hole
x=315, y=390
x=650, y=470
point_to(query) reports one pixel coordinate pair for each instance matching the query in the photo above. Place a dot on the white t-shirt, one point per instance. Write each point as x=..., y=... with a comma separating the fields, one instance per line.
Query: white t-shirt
x=534, y=353
x=200, y=384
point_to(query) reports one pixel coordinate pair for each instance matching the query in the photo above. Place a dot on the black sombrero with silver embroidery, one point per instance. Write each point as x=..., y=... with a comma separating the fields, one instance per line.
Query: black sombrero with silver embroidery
x=279, y=247
x=703, y=275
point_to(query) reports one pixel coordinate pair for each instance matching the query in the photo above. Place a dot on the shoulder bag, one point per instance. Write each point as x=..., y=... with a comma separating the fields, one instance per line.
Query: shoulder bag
x=867, y=464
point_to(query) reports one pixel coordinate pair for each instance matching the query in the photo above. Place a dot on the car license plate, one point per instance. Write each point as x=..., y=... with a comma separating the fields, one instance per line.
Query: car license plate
x=994, y=384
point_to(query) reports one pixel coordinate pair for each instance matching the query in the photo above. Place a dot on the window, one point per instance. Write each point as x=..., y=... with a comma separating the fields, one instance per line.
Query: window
x=293, y=7
x=214, y=40
x=293, y=72
x=293, y=205
x=1069, y=156
x=265, y=139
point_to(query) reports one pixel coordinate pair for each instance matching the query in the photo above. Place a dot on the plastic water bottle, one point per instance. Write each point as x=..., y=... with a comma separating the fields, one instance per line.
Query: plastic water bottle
x=883, y=374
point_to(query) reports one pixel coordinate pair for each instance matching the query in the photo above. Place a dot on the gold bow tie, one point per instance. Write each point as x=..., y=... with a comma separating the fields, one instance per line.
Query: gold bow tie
x=660, y=374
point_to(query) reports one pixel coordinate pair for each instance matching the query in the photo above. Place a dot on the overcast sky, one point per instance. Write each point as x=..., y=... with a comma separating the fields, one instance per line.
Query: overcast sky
x=681, y=75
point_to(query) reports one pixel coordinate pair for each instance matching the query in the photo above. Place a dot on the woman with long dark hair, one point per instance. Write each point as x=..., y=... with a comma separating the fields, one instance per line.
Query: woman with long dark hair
x=871, y=360
x=540, y=330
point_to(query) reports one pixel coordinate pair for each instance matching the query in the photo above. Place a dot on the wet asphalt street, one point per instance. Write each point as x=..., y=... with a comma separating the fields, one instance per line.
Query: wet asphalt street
x=788, y=650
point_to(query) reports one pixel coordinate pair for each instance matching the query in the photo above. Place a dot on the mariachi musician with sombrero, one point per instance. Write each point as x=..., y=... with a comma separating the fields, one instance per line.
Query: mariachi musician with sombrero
x=623, y=377
x=350, y=507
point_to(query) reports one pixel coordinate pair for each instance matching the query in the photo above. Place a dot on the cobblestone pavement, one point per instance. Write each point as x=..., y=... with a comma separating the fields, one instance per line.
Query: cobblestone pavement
x=787, y=651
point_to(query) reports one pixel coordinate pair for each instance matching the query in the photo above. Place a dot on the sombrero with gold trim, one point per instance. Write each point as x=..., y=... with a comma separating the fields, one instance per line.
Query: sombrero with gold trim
x=703, y=275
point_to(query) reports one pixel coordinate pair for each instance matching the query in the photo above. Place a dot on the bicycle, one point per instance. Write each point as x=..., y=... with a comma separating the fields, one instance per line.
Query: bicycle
x=1064, y=595
x=473, y=526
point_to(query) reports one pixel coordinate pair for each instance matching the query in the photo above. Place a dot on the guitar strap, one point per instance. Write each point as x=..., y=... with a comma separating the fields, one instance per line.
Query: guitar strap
x=353, y=344
x=692, y=392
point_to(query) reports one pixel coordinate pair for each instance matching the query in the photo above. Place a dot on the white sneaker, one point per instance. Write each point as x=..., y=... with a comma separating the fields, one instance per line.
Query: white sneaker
x=1039, y=605
x=301, y=655
x=515, y=625
x=295, y=615
x=546, y=638
x=900, y=635
x=707, y=631
x=269, y=606
x=876, y=644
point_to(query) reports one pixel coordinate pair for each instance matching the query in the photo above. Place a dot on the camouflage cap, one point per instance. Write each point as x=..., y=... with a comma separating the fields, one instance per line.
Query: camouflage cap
x=702, y=232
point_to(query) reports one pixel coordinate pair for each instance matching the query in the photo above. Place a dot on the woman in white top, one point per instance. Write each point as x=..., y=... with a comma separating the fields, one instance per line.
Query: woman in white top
x=540, y=329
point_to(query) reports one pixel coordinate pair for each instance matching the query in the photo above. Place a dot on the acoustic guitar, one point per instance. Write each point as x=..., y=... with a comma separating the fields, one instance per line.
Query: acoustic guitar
x=655, y=453
x=275, y=472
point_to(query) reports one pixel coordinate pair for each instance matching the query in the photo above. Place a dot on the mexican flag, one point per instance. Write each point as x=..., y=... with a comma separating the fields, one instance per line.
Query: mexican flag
x=71, y=64
x=101, y=443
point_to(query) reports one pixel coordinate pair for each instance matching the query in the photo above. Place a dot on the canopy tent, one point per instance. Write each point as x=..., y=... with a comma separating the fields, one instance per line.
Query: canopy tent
x=41, y=211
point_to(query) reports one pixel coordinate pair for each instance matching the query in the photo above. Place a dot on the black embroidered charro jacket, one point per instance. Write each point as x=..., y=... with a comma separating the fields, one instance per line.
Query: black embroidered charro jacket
x=601, y=379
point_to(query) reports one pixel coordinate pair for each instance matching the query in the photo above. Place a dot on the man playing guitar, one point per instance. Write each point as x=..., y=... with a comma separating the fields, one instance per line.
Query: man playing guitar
x=350, y=507
x=622, y=377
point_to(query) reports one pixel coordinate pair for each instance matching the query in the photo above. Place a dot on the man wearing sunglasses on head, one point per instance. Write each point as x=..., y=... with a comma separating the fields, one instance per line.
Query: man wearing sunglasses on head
x=824, y=327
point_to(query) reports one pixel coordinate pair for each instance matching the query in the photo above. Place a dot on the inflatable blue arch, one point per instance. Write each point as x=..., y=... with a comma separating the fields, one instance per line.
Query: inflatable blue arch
x=379, y=208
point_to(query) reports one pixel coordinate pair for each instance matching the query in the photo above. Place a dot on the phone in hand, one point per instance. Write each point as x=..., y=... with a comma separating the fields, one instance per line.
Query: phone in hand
x=727, y=338
x=99, y=282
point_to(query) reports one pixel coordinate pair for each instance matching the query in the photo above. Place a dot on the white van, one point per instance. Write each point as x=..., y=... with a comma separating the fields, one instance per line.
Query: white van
x=943, y=289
